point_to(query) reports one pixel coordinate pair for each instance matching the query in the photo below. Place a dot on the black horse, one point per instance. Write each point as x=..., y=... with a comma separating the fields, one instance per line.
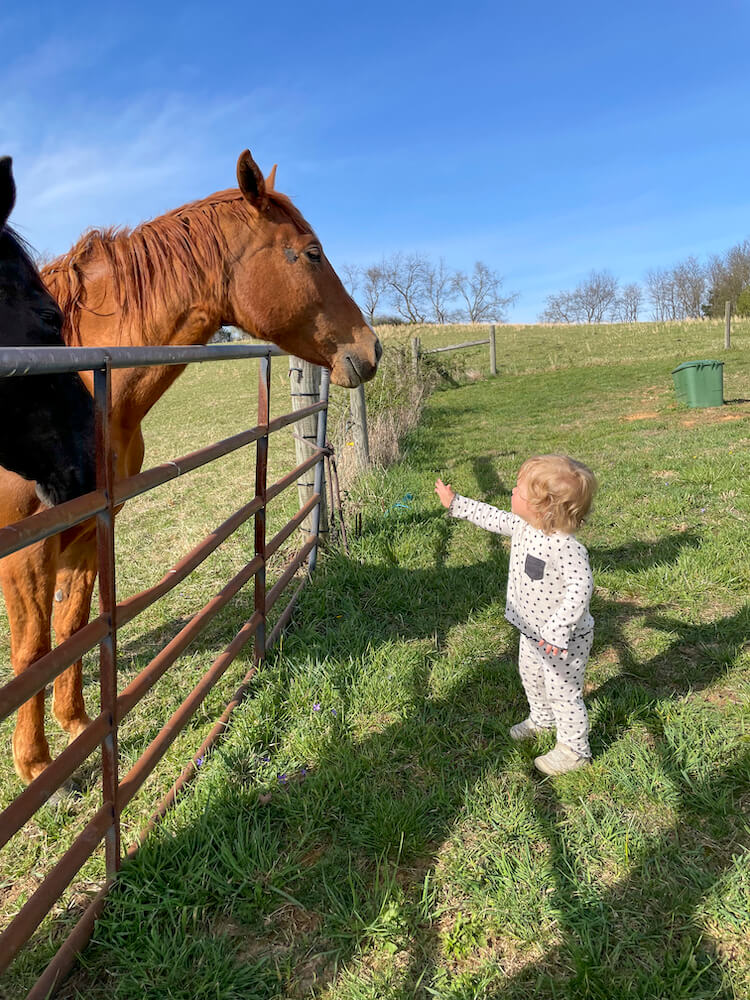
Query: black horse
x=46, y=421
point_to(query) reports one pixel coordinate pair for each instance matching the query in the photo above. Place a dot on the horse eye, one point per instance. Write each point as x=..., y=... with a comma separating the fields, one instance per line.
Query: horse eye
x=313, y=253
x=51, y=316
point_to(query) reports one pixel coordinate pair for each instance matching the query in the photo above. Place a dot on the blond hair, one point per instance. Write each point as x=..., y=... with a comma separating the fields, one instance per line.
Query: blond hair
x=560, y=490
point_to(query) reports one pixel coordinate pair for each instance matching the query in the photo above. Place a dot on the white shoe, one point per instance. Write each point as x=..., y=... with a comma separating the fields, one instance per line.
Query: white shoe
x=526, y=730
x=560, y=760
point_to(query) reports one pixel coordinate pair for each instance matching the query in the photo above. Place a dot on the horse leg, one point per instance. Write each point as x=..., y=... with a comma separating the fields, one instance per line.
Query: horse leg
x=73, y=587
x=27, y=579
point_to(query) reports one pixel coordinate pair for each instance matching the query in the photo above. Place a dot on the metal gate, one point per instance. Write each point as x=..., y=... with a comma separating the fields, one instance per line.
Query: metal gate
x=102, y=630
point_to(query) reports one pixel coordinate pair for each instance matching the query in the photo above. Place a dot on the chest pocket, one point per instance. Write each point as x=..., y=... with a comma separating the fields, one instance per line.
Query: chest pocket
x=534, y=567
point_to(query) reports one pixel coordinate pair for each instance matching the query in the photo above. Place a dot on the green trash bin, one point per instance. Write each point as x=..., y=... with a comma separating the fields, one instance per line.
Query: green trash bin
x=699, y=383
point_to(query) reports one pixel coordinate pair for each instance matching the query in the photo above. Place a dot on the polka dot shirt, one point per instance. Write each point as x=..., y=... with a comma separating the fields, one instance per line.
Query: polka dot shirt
x=549, y=577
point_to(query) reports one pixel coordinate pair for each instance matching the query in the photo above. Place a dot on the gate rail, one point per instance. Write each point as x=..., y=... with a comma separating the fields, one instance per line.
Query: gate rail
x=102, y=630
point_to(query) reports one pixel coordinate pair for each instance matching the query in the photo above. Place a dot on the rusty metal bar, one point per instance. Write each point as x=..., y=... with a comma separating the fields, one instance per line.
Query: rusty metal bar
x=23, y=807
x=177, y=721
x=288, y=573
x=261, y=484
x=105, y=553
x=151, y=673
x=132, y=606
x=187, y=774
x=126, y=489
x=39, y=360
x=31, y=914
x=50, y=522
x=66, y=954
x=294, y=416
x=286, y=614
x=44, y=670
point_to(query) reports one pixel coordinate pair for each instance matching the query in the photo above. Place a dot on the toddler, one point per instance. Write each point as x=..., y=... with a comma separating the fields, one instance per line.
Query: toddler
x=549, y=589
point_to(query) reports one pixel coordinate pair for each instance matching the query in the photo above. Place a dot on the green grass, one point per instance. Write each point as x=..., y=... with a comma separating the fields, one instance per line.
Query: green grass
x=367, y=829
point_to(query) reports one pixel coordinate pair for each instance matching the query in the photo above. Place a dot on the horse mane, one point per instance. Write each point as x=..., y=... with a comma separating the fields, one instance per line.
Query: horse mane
x=168, y=261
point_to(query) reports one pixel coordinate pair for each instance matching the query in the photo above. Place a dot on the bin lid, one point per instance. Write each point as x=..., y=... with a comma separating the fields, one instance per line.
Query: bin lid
x=695, y=364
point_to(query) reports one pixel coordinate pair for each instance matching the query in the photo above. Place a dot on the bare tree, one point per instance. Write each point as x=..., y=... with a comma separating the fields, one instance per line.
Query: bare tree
x=374, y=285
x=660, y=290
x=690, y=280
x=439, y=285
x=598, y=295
x=593, y=301
x=350, y=275
x=405, y=276
x=628, y=304
x=727, y=277
x=560, y=308
x=482, y=293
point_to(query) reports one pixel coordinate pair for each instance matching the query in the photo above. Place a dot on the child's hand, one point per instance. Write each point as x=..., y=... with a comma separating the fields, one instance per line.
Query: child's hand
x=445, y=493
x=562, y=653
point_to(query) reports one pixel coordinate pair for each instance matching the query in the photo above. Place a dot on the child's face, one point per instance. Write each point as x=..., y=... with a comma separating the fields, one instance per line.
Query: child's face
x=520, y=504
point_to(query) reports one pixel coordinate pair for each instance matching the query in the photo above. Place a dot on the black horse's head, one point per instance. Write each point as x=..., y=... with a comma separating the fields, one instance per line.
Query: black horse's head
x=46, y=421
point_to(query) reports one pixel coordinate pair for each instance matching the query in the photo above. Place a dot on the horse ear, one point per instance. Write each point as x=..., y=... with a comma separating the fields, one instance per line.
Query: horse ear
x=271, y=179
x=251, y=181
x=7, y=189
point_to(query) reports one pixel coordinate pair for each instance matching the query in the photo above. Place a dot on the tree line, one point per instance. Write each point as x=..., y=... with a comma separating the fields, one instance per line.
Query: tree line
x=689, y=290
x=417, y=290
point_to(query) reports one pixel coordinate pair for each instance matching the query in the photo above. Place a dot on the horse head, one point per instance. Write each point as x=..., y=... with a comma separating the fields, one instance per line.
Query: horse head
x=46, y=421
x=284, y=289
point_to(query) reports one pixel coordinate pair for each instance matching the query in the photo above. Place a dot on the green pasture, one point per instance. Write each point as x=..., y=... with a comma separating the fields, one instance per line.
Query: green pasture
x=367, y=829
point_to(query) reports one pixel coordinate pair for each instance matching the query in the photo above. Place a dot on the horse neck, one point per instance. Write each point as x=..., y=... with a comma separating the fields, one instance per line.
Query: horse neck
x=190, y=321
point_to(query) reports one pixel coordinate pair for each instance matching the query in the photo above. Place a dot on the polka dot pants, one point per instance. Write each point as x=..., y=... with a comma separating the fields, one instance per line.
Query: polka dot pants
x=554, y=688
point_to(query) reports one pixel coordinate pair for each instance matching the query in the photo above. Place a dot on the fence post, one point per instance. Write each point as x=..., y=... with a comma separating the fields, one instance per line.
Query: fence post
x=493, y=351
x=304, y=383
x=727, y=324
x=320, y=480
x=261, y=477
x=360, y=437
x=415, y=345
x=105, y=552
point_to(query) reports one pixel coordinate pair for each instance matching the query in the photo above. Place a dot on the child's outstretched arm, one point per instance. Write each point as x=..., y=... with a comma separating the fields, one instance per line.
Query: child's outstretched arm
x=482, y=514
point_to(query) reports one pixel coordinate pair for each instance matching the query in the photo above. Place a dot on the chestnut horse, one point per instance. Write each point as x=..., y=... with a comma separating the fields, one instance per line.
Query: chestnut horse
x=46, y=421
x=243, y=258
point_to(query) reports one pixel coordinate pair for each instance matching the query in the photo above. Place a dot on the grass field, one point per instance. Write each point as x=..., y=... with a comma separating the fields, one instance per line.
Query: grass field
x=367, y=829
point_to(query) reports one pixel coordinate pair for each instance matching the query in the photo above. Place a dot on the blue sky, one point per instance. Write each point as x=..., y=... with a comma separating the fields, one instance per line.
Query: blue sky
x=545, y=139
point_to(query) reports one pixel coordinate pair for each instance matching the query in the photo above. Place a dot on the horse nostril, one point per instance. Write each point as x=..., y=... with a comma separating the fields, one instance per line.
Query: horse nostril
x=378, y=350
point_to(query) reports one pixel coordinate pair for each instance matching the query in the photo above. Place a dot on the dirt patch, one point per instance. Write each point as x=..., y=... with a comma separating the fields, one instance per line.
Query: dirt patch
x=645, y=415
x=712, y=415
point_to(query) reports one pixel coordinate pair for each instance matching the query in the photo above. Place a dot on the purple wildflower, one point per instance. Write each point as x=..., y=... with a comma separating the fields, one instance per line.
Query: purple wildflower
x=199, y=762
x=316, y=706
x=283, y=779
x=334, y=712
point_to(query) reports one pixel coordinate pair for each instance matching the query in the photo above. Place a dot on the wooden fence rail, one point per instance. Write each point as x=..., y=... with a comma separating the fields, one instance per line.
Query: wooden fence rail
x=102, y=732
x=417, y=352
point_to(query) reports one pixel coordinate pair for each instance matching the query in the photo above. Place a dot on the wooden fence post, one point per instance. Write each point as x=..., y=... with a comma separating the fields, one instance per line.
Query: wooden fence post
x=727, y=324
x=304, y=384
x=359, y=427
x=493, y=351
x=415, y=344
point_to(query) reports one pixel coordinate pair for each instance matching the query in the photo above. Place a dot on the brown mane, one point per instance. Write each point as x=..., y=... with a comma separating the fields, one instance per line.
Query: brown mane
x=164, y=262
